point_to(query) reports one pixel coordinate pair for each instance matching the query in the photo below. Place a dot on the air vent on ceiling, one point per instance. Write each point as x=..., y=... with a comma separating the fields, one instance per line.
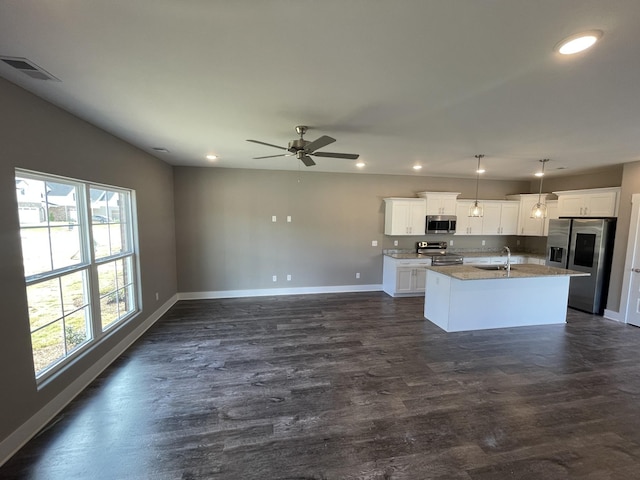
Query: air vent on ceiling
x=28, y=68
x=160, y=149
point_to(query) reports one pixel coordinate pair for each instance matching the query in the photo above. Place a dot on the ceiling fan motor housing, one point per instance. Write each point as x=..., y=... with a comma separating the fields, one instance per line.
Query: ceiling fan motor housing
x=296, y=145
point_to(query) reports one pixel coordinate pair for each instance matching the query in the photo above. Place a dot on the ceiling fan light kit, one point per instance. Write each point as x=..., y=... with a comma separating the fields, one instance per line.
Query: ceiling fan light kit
x=303, y=149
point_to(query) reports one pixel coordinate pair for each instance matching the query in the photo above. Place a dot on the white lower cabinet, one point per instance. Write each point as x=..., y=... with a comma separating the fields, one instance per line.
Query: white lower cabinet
x=404, y=277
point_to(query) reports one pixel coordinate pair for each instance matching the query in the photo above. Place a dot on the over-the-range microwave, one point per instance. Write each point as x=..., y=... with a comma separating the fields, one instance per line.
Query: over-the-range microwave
x=441, y=224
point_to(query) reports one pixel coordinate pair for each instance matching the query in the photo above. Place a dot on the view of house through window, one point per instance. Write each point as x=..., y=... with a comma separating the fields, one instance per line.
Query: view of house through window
x=79, y=263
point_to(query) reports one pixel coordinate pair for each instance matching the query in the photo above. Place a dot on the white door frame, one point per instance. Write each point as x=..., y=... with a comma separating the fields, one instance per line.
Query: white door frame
x=629, y=260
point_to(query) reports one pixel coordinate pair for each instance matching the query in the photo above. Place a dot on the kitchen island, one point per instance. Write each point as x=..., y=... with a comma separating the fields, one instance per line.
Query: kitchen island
x=466, y=297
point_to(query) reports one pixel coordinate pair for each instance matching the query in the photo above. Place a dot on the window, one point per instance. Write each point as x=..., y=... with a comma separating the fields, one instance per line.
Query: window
x=79, y=261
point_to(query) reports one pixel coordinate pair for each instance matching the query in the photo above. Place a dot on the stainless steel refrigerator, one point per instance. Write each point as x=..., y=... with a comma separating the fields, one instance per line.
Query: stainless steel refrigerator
x=585, y=245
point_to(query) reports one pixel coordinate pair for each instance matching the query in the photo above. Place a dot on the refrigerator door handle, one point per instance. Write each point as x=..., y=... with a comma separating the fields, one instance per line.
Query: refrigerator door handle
x=636, y=270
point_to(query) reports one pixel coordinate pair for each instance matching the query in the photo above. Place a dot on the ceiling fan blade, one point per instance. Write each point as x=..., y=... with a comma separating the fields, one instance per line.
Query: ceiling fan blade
x=273, y=156
x=307, y=160
x=350, y=156
x=318, y=143
x=267, y=144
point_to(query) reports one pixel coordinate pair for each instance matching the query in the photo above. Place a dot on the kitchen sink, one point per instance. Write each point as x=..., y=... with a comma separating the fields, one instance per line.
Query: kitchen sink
x=491, y=267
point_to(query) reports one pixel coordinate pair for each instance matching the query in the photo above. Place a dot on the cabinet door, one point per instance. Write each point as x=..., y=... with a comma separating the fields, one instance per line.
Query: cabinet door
x=404, y=217
x=509, y=218
x=571, y=205
x=448, y=205
x=404, y=280
x=601, y=204
x=420, y=278
x=467, y=225
x=441, y=204
x=417, y=219
x=491, y=219
x=526, y=224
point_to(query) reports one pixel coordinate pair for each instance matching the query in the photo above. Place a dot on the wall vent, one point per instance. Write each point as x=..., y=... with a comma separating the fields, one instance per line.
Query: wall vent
x=28, y=68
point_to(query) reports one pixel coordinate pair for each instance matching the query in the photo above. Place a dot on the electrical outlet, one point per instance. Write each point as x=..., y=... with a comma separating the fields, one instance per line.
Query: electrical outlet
x=288, y=278
x=288, y=218
x=358, y=275
x=395, y=243
x=451, y=243
x=157, y=297
x=517, y=242
x=275, y=278
x=374, y=243
x=483, y=242
x=273, y=219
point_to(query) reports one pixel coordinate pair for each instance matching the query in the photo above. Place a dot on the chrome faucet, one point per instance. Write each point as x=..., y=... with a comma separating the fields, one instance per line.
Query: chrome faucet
x=508, y=265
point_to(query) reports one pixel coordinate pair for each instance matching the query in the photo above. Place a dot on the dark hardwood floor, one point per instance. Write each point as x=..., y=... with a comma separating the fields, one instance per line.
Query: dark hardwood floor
x=351, y=386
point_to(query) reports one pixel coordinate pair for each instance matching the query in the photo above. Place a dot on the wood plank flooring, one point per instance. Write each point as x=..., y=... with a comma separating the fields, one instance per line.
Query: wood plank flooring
x=350, y=386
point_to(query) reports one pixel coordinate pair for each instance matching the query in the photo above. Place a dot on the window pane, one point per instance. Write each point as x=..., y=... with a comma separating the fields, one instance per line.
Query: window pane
x=48, y=345
x=36, y=253
x=45, y=303
x=115, y=237
x=107, y=278
x=31, y=198
x=74, y=291
x=65, y=246
x=108, y=310
x=76, y=331
x=101, y=243
x=125, y=302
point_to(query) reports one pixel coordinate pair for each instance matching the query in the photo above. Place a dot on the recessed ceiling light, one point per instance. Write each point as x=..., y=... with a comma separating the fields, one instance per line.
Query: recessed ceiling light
x=578, y=42
x=212, y=157
x=360, y=164
x=417, y=167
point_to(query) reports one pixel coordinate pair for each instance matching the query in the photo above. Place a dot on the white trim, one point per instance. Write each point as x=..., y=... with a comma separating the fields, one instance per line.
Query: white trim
x=277, y=291
x=31, y=427
x=628, y=262
x=611, y=315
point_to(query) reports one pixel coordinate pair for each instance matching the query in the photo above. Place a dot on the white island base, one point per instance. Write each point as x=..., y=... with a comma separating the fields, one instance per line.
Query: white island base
x=458, y=305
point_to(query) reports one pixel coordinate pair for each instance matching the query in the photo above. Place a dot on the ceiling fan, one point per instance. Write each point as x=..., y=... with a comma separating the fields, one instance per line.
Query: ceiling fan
x=302, y=148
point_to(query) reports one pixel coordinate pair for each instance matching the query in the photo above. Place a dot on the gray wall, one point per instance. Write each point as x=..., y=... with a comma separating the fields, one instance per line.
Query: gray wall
x=226, y=240
x=596, y=178
x=38, y=136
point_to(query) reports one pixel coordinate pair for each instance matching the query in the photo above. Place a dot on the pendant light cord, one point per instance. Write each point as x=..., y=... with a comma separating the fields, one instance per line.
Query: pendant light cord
x=479, y=157
x=544, y=160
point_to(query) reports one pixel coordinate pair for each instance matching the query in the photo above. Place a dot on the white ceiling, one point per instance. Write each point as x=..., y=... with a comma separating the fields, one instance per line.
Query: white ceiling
x=400, y=82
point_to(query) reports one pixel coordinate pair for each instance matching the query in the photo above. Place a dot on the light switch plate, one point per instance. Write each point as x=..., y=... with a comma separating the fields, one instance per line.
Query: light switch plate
x=273, y=218
x=374, y=243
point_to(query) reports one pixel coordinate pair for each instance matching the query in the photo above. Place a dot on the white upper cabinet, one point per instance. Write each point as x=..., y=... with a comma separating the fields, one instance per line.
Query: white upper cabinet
x=466, y=225
x=500, y=218
x=597, y=202
x=440, y=203
x=533, y=227
x=404, y=216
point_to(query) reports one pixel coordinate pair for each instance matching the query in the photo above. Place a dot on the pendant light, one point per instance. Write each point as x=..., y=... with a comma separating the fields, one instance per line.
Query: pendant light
x=539, y=210
x=475, y=210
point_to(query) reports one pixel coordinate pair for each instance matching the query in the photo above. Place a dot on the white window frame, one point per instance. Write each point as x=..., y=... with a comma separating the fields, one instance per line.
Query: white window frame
x=89, y=264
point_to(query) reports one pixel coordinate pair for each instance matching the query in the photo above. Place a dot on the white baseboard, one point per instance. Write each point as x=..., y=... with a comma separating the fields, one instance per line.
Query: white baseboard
x=31, y=427
x=611, y=315
x=277, y=291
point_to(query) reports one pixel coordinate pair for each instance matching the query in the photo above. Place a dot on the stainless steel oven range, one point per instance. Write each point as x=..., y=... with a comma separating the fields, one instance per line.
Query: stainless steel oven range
x=438, y=253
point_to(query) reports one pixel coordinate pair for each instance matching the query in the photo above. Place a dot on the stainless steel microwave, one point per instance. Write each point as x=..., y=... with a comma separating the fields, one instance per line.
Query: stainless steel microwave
x=441, y=224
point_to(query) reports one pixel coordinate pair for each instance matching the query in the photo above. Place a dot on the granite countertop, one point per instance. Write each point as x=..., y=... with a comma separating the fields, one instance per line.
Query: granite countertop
x=470, y=272
x=404, y=254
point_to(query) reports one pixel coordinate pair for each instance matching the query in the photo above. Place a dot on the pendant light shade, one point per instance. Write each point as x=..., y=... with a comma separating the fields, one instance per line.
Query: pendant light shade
x=539, y=210
x=475, y=210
